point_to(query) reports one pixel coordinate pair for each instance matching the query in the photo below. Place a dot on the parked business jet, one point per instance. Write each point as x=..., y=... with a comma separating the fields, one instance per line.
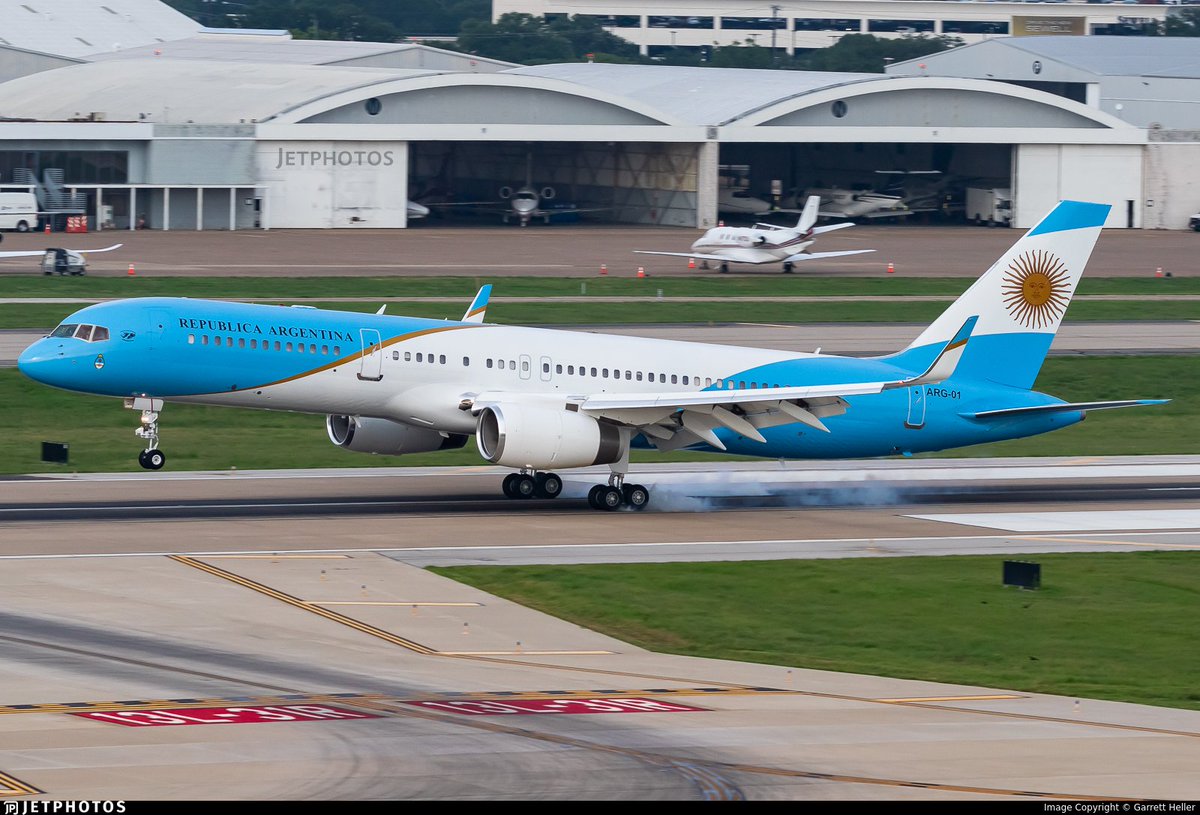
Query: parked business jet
x=538, y=400
x=763, y=243
x=843, y=203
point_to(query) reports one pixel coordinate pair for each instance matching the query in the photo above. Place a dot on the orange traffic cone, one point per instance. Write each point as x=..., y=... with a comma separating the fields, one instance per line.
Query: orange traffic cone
x=641, y=271
x=691, y=263
x=131, y=273
x=1158, y=272
x=47, y=227
x=891, y=268
x=603, y=268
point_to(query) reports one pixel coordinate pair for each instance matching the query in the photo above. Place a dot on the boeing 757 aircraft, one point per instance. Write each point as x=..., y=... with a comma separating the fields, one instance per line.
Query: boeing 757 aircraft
x=538, y=400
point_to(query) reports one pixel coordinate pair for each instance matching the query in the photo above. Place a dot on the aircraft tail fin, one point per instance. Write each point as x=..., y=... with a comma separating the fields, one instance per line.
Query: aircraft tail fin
x=1020, y=300
x=478, y=308
x=808, y=215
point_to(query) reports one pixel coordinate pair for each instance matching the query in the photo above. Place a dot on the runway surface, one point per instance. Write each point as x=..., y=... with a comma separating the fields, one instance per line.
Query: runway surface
x=148, y=622
x=859, y=339
x=495, y=251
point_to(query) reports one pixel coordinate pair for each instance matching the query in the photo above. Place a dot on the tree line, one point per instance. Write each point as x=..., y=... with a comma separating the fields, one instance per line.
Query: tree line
x=530, y=40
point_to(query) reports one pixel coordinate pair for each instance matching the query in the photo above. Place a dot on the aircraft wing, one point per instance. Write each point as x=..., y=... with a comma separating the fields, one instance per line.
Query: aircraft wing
x=819, y=255
x=886, y=213
x=40, y=252
x=672, y=420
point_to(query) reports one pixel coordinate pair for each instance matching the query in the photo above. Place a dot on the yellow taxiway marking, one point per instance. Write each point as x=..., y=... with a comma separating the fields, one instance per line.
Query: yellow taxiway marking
x=955, y=698
x=387, y=603
x=11, y=787
x=277, y=557
x=525, y=653
x=298, y=603
x=1052, y=539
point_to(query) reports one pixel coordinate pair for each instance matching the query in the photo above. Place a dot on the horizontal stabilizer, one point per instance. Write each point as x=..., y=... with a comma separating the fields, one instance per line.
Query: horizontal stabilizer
x=820, y=255
x=821, y=230
x=1062, y=407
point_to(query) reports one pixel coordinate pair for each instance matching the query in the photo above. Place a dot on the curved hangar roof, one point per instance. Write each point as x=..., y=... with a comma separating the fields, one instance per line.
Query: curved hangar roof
x=192, y=91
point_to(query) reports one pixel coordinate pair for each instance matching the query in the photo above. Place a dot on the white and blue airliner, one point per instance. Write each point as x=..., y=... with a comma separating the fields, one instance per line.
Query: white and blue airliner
x=540, y=400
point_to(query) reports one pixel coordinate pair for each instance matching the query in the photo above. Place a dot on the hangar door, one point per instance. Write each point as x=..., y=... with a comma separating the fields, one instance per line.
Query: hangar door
x=1044, y=174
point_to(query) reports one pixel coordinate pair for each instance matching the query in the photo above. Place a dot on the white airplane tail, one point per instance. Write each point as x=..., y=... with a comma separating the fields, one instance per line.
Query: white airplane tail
x=808, y=215
x=1020, y=300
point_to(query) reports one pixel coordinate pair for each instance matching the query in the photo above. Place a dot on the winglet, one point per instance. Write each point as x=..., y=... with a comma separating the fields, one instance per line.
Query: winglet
x=943, y=367
x=478, y=308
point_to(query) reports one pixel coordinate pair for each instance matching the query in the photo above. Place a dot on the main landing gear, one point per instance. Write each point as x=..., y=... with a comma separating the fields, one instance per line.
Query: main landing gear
x=616, y=494
x=788, y=267
x=532, y=485
x=611, y=496
x=151, y=458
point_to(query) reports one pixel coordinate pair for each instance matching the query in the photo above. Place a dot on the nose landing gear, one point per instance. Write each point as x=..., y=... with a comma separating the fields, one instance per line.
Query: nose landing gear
x=151, y=458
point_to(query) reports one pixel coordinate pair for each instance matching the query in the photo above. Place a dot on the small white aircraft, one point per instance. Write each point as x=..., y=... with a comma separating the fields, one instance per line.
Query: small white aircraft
x=843, y=203
x=738, y=201
x=764, y=243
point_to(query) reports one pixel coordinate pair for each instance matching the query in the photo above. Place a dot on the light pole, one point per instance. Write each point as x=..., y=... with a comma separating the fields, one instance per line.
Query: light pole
x=774, y=28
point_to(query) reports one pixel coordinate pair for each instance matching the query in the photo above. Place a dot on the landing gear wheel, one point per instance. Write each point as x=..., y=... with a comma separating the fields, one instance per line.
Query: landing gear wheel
x=547, y=485
x=609, y=498
x=724, y=268
x=593, y=496
x=507, y=485
x=523, y=486
x=788, y=268
x=635, y=496
x=152, y=459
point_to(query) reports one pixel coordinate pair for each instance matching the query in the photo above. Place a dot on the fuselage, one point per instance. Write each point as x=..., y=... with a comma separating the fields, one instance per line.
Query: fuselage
x=752, y=245
x=419, y=372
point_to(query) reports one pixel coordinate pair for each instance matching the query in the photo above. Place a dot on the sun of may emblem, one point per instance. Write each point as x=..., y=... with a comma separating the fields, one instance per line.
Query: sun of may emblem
x=1036, y=289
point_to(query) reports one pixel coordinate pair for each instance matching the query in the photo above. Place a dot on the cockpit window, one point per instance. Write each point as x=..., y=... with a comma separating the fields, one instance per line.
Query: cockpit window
x=87, y=333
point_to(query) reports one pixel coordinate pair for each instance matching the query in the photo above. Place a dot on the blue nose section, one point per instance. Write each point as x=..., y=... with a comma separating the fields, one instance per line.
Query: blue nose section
x=44, y=361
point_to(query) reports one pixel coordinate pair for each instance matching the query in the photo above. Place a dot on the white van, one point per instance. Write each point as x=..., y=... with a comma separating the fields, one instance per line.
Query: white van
x=19, y=211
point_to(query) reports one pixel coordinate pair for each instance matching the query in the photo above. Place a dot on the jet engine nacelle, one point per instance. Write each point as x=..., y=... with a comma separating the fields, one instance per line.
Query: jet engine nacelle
x=543, y=437
x=385, y=437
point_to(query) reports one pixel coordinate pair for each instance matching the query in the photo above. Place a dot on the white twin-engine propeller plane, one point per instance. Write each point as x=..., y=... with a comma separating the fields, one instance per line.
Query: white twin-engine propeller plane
x=764, y=243
x=539, y=400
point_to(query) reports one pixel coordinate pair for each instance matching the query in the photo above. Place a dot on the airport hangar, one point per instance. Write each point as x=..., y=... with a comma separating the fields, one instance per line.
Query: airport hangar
x=216, y=132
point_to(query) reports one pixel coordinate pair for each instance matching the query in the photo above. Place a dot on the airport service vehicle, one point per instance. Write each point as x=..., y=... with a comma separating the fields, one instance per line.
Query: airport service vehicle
x=19, y=211
x=989, y=205
x=764, y=243
x=541, y=400
x=1194, y=222
x=62, y=261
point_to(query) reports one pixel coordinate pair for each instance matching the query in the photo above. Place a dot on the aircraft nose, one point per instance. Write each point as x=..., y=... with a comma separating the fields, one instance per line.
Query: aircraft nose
x=37, y=358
